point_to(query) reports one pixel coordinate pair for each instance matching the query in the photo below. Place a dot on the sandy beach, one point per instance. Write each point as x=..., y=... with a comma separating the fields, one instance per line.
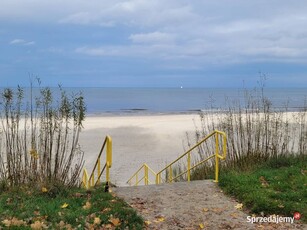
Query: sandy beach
x=137, y=139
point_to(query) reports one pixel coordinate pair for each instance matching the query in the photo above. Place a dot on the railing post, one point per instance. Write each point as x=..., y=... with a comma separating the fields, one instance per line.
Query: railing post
x=93, y=180
x=108, y=172
x=189, y=166
x=136, y=179
x=98, y=171
x=157, y=178
x=216, y=157
x=109, y=158
x=146, y=174
x=170, y=174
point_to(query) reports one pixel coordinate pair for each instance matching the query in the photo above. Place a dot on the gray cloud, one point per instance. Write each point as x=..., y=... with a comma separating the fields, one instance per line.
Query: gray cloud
x=213, y=31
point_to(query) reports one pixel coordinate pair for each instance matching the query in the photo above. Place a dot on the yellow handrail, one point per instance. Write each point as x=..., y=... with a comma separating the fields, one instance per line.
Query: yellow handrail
x=189, y=168
x=145, y=177
x=87, y=181
x=168, y=168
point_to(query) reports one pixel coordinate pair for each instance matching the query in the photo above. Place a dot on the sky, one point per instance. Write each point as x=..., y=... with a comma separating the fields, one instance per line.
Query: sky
x=153, y=43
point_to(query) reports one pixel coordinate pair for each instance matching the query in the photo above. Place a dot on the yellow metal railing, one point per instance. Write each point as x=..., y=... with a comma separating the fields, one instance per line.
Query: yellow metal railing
x=168, y=170
x=90, y=181
x=136, y=178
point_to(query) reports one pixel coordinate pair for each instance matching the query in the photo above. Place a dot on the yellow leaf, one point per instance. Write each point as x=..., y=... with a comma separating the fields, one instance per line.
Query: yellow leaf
x=34, y=153
x=115, y=221
x=44, y=189
x=205, y=209
x=160, y=219
x=65, y=205
x=87, y=205
x=97, y=220
x=201, y=226
x=147, y=222
x=239, y=206
x=234, y=215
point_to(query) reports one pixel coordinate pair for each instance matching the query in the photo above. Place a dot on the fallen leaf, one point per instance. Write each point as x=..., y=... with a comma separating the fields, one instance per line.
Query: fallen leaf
x=65, y=205
x=97, y=220
x=239, y=206
x=147, y=222
x=37, y=225
x=160, y=219
x=78, y=195
x=234, y=215
x=6, y=222
x=263, y=181
x=36, y=213
x=87, y=205
x=205, y=209
x=106, y=210
x=61, y=224
x=34, y=153
x=201, y=226
x=108, y=226
x=13, y=222
x=115, y=221
x=44, y=190
x=9, y=200
x=217, y=210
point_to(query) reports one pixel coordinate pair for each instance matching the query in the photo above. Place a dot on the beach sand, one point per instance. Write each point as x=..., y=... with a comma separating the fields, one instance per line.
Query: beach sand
x=137, y=139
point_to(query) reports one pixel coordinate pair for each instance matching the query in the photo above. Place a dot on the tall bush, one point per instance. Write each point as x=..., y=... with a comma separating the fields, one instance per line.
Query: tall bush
x=39, y=138
x=256, y=131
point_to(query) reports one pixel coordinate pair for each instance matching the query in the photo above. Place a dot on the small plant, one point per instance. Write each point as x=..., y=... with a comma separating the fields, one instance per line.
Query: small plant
x=39, y=138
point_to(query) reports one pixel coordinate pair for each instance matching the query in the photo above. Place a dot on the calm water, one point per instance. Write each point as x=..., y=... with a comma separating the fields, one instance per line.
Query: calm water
x=176, y=100
x=168, y=100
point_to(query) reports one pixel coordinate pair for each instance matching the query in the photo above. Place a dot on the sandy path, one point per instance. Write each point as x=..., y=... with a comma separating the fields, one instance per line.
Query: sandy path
x=191, y=206
x=152, y=139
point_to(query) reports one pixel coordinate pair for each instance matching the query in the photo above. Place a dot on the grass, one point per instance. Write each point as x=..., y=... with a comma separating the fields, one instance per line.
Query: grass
x=277, y=186
x=63, y=208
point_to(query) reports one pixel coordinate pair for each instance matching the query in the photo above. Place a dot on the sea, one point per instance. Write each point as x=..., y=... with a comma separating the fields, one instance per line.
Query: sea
x=185, y=100
x=181, y=100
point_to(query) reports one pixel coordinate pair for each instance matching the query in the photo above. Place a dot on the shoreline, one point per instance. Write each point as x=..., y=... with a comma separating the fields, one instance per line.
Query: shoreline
x=147, y=112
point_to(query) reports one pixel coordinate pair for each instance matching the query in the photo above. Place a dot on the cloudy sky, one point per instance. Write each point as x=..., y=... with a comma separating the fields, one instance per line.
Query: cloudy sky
x=153, y=43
